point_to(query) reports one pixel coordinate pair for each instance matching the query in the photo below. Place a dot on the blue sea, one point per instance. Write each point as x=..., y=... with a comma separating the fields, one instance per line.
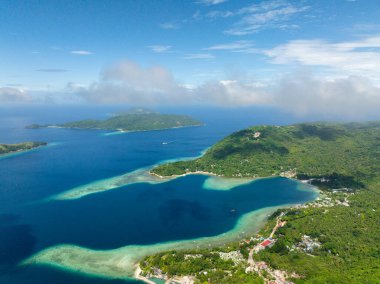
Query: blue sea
x=134, y=214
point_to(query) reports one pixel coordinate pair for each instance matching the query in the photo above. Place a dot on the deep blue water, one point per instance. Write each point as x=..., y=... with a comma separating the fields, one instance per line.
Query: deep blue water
x=134, y=214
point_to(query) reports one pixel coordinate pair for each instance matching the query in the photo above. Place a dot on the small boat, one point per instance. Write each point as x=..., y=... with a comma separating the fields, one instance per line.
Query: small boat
x=167, y=142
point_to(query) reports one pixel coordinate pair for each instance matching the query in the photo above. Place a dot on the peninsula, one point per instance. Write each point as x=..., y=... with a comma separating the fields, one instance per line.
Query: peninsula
x=136, y=120
x=335, y=239
x=19, y=147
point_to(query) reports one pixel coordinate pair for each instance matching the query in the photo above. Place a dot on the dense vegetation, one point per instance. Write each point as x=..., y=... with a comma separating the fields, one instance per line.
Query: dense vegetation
x=207, y=265
x=342, y=153
x=333, y=156
x=350, y=238
x=9, y=148
x=135, y=121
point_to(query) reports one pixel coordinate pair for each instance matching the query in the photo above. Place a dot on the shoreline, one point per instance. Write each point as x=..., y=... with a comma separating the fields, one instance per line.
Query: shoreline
x=220, y=176
x=137, y=176
x=121, y=131
x=121, y=263
x=137, y=275
x=144, y=175
x=185, y=174
x=138, y=270
x=21, y=151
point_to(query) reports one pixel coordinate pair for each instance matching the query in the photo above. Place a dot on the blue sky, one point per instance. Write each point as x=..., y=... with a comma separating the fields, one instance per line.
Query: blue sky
x=206, y=51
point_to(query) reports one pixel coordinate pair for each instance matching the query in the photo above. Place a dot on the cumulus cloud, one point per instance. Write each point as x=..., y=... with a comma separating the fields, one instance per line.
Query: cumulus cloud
x=352, y=96
x=127, y=82
x=231, y=93
x=361, y=57
x=12, y=95
x=301, y=92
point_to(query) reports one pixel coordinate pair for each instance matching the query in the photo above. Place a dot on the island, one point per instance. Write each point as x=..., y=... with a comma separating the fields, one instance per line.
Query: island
x=19, y=147
x=335, y=239
x=135, y=120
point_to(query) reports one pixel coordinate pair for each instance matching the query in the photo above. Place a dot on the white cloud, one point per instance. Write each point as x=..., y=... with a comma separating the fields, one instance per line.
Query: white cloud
x=127, y=82
x=218, y=14
x=81, y=52
x=211, y=2
x=231, y=93
x=360, y=57
x=160, y=48
x=301, y=92
x=199, y=56
x=266, y=15
x=11, y=95
x=237, y=45
x=169, y=26
x=51, y=70
x=349, y=97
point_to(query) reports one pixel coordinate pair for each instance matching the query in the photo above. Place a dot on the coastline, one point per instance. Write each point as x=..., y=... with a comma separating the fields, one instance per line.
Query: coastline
x=118, y=131
x=122, y=263
x=137, y=275
x=141, y=175
x=145, y=175
x=183, y=175
x=21, y=151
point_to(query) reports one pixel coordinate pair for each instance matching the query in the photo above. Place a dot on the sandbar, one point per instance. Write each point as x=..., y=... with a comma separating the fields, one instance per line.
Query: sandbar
x=121, y=263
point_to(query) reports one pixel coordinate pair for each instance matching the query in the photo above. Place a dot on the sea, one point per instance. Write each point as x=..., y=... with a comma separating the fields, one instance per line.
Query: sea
x=137, y=214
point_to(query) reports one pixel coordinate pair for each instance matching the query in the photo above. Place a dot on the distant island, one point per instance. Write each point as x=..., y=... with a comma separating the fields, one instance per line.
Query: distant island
x=135, y=120
x=335, y=239
x=12, y=148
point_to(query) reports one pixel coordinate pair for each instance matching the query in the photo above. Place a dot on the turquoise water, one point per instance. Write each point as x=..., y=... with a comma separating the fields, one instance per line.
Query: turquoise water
x=136, y=214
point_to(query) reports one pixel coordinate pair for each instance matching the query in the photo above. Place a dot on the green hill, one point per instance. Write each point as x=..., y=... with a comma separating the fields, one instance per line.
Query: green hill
x=345, y=223
x=132, y=121
x=343, y=154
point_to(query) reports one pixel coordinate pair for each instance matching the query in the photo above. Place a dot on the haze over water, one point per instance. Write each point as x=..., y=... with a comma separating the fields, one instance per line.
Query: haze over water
x=139, y=214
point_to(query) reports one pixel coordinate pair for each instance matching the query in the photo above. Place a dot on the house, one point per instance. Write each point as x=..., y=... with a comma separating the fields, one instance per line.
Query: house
x=266, y=243
x=256, y=134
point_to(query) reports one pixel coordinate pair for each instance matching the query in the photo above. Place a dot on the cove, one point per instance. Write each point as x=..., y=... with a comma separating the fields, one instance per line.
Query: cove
x=144, y=218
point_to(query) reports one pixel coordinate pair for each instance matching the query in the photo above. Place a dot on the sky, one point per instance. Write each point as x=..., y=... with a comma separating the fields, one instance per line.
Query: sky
x=304, y=56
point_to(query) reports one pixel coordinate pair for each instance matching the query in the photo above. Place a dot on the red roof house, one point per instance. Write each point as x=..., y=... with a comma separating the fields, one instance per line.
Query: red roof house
x=266, y=243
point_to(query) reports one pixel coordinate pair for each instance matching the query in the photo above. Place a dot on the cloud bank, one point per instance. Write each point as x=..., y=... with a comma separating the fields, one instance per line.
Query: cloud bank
x=301, y=92
x=127, y=82
x=352, y=96
x=12, y=95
